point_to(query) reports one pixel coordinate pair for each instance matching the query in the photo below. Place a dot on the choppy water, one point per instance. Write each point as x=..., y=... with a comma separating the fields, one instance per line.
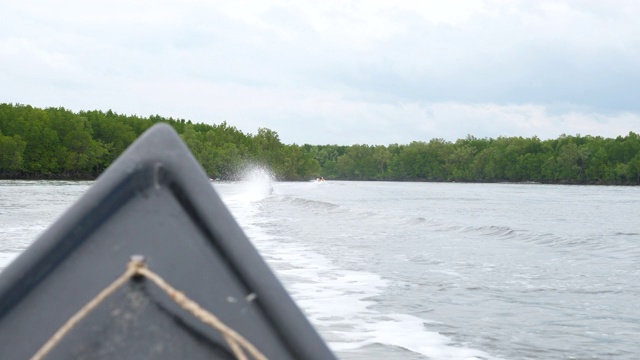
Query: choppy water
x=422, y=270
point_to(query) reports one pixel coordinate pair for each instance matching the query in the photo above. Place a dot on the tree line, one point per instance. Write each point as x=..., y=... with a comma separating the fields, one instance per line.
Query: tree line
x=59, y=143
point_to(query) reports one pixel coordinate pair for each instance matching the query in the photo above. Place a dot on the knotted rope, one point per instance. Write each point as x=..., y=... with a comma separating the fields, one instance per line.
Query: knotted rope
x=137, y=267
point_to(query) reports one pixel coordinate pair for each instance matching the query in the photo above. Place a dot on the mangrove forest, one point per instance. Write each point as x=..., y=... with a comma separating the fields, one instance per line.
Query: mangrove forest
x=56, y=143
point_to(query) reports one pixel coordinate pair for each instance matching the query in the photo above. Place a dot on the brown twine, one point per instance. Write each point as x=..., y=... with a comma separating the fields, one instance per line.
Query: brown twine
x=137, y=267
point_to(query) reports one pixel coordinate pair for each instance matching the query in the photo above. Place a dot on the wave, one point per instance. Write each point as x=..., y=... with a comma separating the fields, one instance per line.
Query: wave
x=416, y=221
x=491, y=230
x=626, y=243
x=440, y=226
x=626, y=234
x=313, y=204
x=341, y=302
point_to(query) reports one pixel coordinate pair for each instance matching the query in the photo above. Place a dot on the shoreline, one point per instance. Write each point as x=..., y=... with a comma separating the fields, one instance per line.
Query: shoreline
x=89, y=177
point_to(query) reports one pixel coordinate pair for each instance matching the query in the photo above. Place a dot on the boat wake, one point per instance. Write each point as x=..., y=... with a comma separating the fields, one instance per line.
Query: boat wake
x=342, y=304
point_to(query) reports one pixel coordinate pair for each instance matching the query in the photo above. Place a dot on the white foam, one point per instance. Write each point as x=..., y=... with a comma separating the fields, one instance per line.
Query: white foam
x=340, y=302
x=257, y=183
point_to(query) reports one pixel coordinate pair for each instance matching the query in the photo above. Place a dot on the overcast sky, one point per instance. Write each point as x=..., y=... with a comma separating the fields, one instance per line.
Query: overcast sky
x=335, y=72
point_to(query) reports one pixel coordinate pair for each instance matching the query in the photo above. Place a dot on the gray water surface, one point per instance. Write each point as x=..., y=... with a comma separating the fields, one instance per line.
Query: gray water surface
x=428, y=270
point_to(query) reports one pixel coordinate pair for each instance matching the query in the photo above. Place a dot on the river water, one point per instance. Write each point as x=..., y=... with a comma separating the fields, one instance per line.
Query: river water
x=428, y=270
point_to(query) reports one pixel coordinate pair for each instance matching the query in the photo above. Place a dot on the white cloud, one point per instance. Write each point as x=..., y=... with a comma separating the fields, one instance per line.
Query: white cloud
x=376, y=71
x=490, y=120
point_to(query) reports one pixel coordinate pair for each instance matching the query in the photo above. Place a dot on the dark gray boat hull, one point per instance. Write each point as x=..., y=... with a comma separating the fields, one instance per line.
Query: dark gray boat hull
x=154, y=201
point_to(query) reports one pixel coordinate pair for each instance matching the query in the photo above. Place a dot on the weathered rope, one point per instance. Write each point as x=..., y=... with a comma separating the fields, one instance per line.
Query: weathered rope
x=137, y=267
